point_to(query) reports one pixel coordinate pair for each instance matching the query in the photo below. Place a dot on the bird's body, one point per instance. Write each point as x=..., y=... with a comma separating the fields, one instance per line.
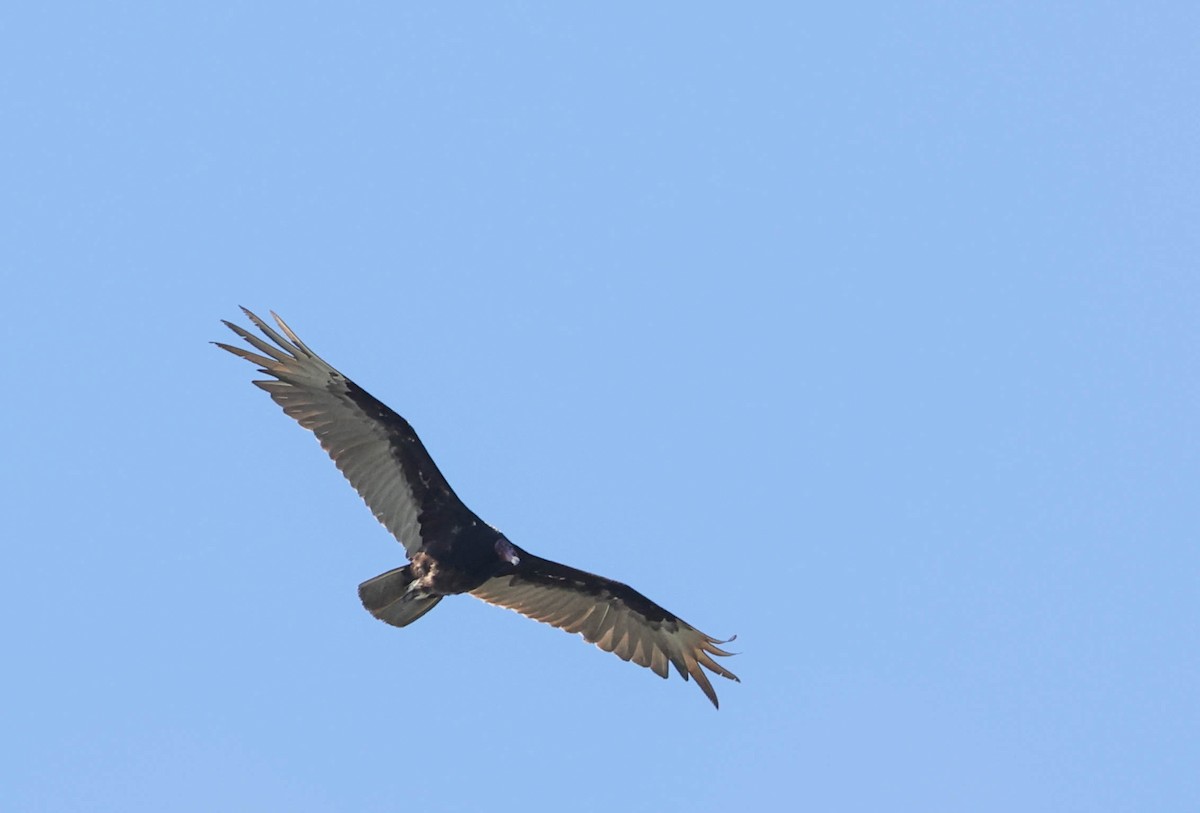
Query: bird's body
x=451, y=550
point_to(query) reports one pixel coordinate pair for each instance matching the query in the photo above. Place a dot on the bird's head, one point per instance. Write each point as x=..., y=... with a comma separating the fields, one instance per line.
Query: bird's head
x=507, y=551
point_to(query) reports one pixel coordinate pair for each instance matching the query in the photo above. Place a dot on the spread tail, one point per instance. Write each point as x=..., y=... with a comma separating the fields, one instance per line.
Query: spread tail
x=393, y=598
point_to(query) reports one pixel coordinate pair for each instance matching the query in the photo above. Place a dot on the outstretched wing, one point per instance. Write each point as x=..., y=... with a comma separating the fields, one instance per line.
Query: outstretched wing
x=375, y=448
x=611, y=615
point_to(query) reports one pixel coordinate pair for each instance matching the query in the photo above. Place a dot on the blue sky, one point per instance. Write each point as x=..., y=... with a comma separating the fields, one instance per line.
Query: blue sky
x=868, y=334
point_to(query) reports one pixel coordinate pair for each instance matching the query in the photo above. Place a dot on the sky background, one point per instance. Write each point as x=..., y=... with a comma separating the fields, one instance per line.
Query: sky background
x=868, y=334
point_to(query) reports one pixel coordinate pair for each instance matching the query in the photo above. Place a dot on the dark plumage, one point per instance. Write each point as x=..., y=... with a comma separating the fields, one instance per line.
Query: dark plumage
x=451, y=550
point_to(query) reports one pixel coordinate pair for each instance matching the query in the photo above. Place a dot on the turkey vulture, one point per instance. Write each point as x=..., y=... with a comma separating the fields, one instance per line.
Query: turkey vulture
x=450, y=549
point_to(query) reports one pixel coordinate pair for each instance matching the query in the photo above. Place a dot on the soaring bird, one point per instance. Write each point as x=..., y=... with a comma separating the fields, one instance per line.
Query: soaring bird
x=450, y=549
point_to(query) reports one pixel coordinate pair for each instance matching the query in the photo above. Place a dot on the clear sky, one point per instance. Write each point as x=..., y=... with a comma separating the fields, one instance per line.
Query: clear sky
x=868, y=334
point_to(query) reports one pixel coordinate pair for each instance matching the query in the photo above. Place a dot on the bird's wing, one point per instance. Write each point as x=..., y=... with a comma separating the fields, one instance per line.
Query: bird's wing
x=375, y=448
x=611, y=615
